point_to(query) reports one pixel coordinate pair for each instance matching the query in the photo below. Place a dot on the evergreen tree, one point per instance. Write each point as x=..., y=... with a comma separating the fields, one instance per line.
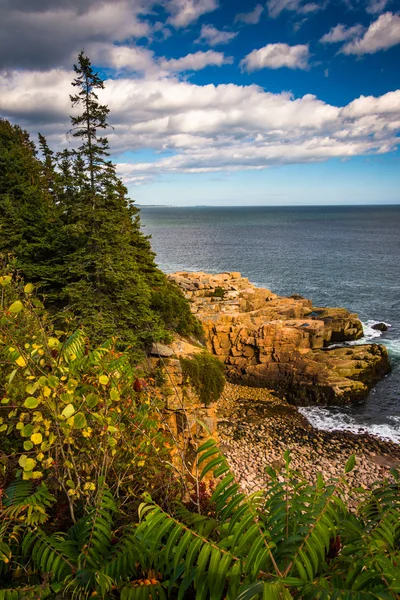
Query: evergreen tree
x=93, y=148
x=73, y=229
x=29, y=225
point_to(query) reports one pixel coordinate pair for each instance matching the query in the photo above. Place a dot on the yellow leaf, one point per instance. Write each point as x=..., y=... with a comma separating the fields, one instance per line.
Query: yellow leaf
x=5, y=280
x=21, y=362
x=37, y=474
x=16, y=307
x=53, y=342
x=140, y=463
x=103, y=379
x=28, y=289
x=36, y=438
x=68, y=411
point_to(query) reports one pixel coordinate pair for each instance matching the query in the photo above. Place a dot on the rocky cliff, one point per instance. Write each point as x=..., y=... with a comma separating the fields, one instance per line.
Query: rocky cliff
x=283, y=343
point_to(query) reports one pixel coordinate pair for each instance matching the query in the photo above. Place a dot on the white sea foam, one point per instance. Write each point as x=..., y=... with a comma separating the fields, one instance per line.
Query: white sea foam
x=324, y=419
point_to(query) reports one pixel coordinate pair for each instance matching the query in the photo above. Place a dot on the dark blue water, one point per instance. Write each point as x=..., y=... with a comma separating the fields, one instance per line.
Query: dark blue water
x=336, y=256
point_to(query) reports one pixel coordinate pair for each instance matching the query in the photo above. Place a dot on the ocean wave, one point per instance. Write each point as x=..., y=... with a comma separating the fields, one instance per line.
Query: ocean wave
x=324, y=419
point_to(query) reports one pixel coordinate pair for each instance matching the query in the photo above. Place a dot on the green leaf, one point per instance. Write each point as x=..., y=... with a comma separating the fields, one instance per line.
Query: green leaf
x=31, y=402
x=16, y=307
x=92, y=400
x=350, y=464
x=28, y=289
x=27, y=430
x=79, y=421
x=28, y=445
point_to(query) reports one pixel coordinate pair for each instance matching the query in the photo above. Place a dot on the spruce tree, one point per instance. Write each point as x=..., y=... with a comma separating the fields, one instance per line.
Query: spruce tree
x=106, y=289
x=29, y=227
x=70, y=224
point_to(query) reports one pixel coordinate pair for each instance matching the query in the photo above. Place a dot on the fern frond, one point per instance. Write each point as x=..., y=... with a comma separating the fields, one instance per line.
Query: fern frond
x=129, y=551
x=52, y=555
x=23, y=503
x=142, y=591
x=74, y=346
x=95, y=534
x=29, y=592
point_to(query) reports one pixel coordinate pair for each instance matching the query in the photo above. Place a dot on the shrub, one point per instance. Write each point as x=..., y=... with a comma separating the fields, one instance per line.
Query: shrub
x=69, y=411
x=293, y=541
x=219, y=292
x=206, y=374
x=174, y=310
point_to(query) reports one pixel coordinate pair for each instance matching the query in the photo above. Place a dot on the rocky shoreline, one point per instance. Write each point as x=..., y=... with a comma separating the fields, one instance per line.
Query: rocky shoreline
x=283, y=343
x=255, y=428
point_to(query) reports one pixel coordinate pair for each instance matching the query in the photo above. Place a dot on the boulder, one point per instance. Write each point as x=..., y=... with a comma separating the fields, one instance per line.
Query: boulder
x=161, y=350
x=380, y=327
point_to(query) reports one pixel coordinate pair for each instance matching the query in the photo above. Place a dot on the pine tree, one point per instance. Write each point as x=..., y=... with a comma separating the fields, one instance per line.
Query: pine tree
x=93, y=148
x=106, y=289
x=28, y=216
x=73, y=229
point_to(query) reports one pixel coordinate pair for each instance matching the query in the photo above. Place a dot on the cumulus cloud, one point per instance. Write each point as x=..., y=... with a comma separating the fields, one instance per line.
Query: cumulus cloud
x=43, y=34
x=214, y=37
x=208, y=128
x=276, y=7
x=196, y=61
x=380, y=35
x=121, y=57
x=250, y=18
x=275, y=56
x=341, y=33
x=185, y=12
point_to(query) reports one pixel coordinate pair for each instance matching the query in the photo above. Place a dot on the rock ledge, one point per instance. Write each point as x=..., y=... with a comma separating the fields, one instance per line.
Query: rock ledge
x=283, y=343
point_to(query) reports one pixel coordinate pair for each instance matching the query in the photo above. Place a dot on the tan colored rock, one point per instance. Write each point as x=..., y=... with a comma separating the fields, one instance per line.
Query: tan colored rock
x=282, y=343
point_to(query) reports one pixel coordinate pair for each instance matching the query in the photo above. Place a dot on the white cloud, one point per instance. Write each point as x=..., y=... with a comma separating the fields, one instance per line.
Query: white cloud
x=275, y=56
x=214, y=37
x=196, y=61
x=276, y=7
x=184, y=12
x=208, y=128
x=131, y=58
x=376, y=6
x=341, y=33
x=42, y=35
x=250, y=18
x=380, y=35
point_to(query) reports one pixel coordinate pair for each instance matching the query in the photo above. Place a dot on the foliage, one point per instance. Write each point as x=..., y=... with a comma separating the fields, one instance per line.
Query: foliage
x=75, y=234
x=69, y=411
x=206, y=374
x=92, y=558
x=296, y=540
x=219, y=292
x=29, y=225
x=168, y=301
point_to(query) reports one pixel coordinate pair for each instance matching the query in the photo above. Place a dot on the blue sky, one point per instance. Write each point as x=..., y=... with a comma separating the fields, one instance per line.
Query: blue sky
x=221, y=102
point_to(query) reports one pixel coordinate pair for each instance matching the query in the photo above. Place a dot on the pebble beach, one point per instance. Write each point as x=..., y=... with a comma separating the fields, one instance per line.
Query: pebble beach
x=256, y=427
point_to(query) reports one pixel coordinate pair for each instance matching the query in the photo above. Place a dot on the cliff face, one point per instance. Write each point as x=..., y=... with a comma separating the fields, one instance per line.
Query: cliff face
x=283, y=343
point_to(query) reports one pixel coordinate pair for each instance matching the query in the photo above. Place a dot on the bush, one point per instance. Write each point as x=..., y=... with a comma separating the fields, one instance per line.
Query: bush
x=219, y=292
x=174, y=310
x=69, y=412
x=293, y=541
x=206, y=374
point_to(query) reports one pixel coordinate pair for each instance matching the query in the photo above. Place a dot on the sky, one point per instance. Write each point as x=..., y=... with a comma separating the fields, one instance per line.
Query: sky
x=222, y=102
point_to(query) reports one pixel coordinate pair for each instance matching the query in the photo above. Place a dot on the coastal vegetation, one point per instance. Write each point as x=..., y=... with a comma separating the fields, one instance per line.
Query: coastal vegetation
x=93, y=504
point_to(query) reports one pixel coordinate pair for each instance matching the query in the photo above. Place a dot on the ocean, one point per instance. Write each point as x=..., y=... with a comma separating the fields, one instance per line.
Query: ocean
x=336, y=256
